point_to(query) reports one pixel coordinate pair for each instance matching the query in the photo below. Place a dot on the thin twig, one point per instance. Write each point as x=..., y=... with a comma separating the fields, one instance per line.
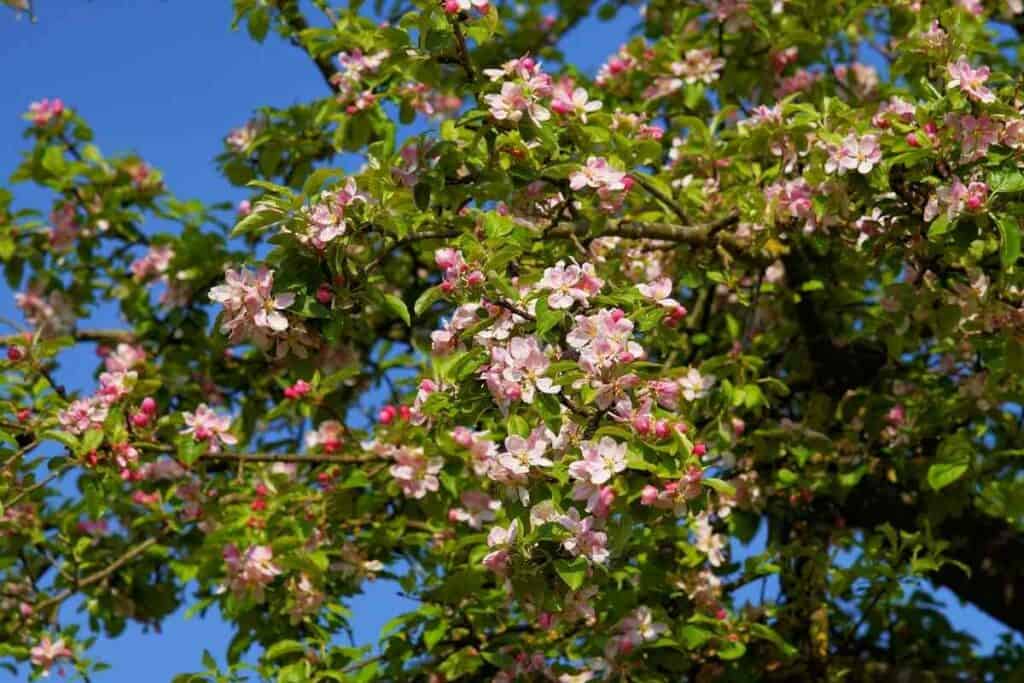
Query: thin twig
x=643, y=182
x=39, y=484
x=463, y=50
x=509, y=306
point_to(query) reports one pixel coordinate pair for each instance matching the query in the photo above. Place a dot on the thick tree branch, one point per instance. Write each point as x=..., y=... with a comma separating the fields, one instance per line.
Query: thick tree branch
x=697, y=234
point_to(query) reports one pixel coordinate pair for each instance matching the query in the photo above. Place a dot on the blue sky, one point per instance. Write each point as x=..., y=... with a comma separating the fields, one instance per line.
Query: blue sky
x=167, y=80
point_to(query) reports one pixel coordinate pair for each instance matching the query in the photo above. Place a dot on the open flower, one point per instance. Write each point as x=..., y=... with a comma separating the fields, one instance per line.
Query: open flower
x=206, y=425
x=970, y=80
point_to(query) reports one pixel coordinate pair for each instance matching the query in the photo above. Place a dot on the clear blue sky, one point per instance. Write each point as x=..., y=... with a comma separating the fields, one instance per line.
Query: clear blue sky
x=167, y=79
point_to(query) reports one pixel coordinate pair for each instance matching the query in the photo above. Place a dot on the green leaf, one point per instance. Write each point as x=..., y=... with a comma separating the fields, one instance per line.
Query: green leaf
x=53, y=160
x=941, y=475
x=517, y=425
x=91, y=441
x=316, y=180
x=722, y=487
x=433, y=635
x=398, y=307
x=190, y=450
x=255, y=220
x=426, y=300
x=1009, y=233
x=283, y=648
x=573, y=572
x=940, y=226
x=952, y=461
x=421, y=193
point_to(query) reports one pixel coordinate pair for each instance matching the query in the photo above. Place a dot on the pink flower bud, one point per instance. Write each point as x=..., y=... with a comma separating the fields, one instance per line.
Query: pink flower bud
x=387, y=414
x=324, y=294
x=451, y=6
x=649, y=495
x=545, y=620
x=642, y=424
x=24, y=414
x=661, y=429
x=140, y=419
x=931, y=129
x=14, y=354
x=912, y=140
x=699, y=449
x=463, y=436
x=405, y=413
x=148, y=405
x=475, y=279
x=447, y=286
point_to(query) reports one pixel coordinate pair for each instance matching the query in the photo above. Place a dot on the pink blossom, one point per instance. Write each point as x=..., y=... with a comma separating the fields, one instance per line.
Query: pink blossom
x=600, y=462
x=855, y=153
x=956, y=198
x=153, y=264
x=801, y=81
x=569, y=284
x=639, y=628
x=698, y=66
x=500, y=540
x=125, y=357
x=604, y=340
x=708, y=542
x=52, y=314
x=896, y=109
x=477, y=508
x=513, y=101
x=65, y=226
x=206, y=425
x=306, y=598
x=791, y=199
x=116, y=385
x=415, y=473
x=325, y=219
x=517, y=371
x=251, y=310
x=975, y=134
x=615, y=68
x=522, y=454
x=83, y=415
x=329, y=436
x=47, y=652
x=695, y=385
x=567, y=100
x=763, y=115
x=586, y=540
x=241, y=138
x=250, y=572
x=44, y=111
x=970, y=80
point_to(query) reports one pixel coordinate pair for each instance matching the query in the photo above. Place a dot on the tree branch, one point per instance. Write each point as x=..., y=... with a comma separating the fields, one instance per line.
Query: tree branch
x=98, y=576
x=670, y=232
